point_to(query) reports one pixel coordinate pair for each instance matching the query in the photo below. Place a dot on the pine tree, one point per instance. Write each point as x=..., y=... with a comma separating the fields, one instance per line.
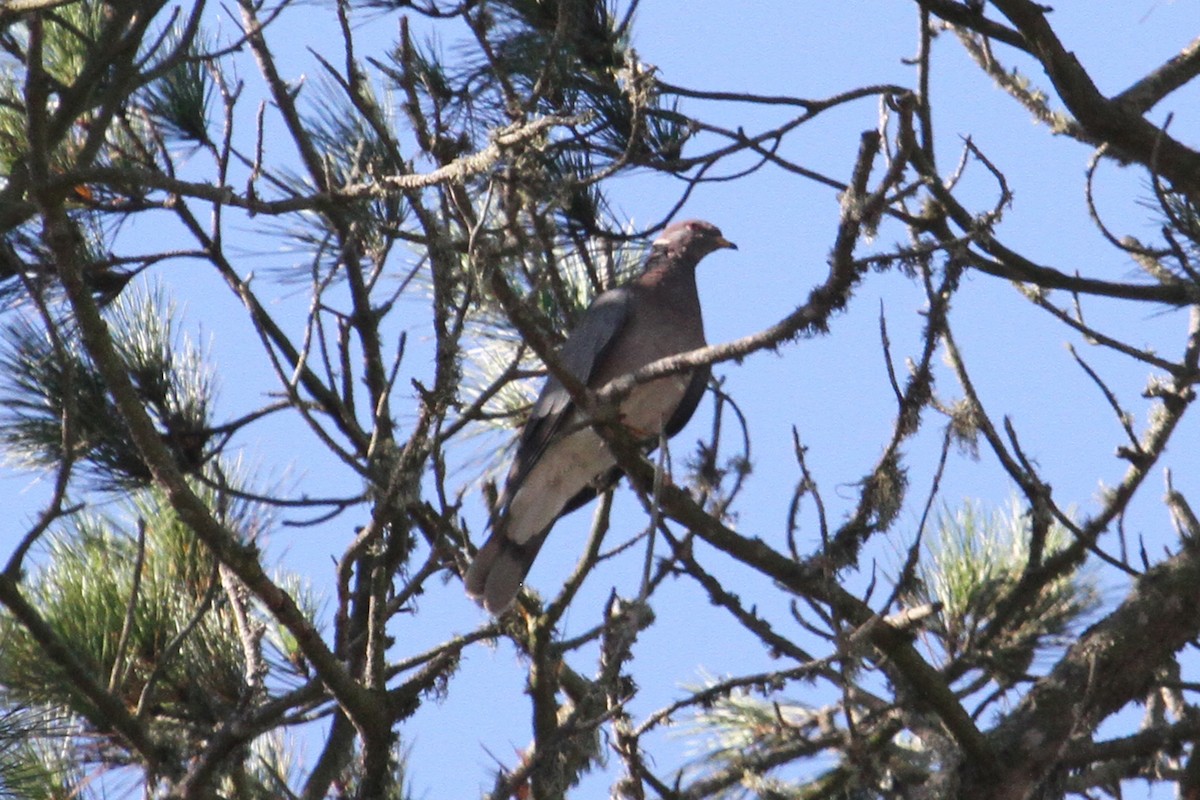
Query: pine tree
x=396, y=244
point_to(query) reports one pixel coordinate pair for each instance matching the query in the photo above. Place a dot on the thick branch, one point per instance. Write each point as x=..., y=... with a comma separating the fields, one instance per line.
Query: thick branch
x=1112, y=664
x=1177, y=71
x=963, y=16
x=1130, y=135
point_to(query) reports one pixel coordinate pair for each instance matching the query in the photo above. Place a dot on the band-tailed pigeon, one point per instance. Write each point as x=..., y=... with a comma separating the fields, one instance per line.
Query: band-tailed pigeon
x=561, y=462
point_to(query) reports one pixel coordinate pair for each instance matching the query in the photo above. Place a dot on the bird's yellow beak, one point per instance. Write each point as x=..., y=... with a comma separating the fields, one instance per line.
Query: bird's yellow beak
x=723, y=242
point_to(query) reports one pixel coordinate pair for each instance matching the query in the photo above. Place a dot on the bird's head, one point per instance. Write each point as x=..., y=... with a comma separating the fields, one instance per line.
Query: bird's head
x=692, y=239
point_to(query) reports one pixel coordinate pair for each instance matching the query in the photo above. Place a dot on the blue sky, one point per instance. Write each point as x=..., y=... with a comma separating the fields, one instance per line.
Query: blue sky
x=833, y=389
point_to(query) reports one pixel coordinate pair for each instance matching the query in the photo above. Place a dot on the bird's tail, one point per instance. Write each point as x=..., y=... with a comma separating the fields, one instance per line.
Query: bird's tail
x=499, y=569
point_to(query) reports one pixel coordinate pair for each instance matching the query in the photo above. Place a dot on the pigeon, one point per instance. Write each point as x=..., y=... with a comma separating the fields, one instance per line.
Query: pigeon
x=561, y=462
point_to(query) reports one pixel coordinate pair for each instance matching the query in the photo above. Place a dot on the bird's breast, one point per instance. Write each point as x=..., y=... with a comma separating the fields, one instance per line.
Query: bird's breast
x=648, y=407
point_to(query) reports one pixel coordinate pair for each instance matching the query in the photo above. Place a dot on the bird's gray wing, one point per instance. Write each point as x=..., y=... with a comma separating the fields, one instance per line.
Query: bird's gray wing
x=691, y=399
x=581, y=355
x=678, y=420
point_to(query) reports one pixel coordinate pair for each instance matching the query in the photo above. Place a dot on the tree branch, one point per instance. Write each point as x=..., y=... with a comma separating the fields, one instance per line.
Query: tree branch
x=1130, y=136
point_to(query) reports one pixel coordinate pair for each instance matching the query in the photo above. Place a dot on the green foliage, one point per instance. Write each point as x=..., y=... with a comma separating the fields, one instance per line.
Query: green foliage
x=536, y=44
x=738, y=723
x=976, y=561
x=143, y=604
x=36, y=761
x=70, y=34
x=84, y=591
x=12, y=122
x=179, y=100
x=546, y=57
x=56, y=403
x=584, y=56
x=1182, y=221
x=356, y=152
